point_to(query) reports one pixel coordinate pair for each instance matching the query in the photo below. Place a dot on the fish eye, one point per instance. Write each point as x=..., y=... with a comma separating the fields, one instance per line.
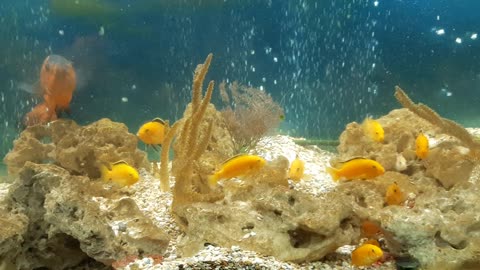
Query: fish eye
x=373, y=250
x=147, y=130
x=373, y=166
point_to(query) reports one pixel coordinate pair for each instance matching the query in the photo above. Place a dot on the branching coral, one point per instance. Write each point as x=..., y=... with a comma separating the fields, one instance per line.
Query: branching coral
x=192, y=141
x=250, y=114
x=164, y=173
x=448, y=126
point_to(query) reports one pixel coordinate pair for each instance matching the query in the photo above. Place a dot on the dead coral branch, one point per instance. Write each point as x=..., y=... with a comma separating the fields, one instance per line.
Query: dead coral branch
x=164, y=173
x=192, y=142
x=448, y=126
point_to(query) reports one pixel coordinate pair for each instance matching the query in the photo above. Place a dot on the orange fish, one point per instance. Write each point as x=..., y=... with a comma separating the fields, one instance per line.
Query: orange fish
x=421, y=146
x=394, y=196
x=40, y=114
x=57, y=81
x=370, y=229
x=57, y=84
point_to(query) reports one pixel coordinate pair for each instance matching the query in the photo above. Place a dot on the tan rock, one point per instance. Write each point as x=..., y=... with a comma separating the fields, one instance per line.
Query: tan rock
x=78, y=149
x=448, y=165
x=73, y=219
x=277, y=221
x=12, y=225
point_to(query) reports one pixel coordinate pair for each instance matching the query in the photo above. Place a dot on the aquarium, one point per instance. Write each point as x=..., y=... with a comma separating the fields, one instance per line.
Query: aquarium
x=254, y=134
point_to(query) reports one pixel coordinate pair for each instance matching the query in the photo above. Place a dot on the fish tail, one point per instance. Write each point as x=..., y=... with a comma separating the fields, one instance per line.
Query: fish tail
x=103, y=172
x=212, y=180
x=334, y=173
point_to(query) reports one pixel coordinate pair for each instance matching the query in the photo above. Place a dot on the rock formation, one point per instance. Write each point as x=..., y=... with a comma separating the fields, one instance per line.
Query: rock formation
x=59, y=214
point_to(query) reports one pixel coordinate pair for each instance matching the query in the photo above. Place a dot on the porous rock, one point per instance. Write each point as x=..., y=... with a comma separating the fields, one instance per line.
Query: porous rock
x=442, y=230
x=446, y=161
x=78, y=149
x=439, y=222
x=401, y=128
x=277, y=221
x=449, y=165
x=72, y=219
x=12, y=225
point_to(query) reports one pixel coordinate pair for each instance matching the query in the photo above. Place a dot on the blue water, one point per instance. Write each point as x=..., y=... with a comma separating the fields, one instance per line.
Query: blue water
x=327, y=62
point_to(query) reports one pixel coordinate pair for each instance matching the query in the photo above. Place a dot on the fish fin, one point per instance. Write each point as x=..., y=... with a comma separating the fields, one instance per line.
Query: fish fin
x=104, y=171
x=212, y=180
x=67, y=111
x=120, y=162
x=235, y=156
x=82, y=77
x=334, y=173
x=159, y=120
x=33, y=89
x=350, y=159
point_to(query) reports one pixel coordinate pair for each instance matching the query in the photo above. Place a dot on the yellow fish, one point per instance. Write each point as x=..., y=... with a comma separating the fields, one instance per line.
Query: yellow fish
x=119, y=173
x=296, y=170
x=366, y=254
x=394, y=195
x=373, y=129
x=237, y=166
x=152, y=133
x=421, y=146
x=357, y=168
